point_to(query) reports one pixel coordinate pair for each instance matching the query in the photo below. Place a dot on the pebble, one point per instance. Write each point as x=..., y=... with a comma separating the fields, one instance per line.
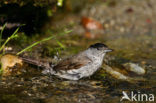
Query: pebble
x=135, y=68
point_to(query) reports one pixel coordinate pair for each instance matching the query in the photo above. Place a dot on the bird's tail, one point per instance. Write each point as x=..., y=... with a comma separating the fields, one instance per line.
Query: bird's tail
x=36, y=62
x=47, y=67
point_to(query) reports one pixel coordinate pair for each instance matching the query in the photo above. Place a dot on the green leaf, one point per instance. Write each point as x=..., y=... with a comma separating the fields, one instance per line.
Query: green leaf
x=60, y=44
x=2, y=33
x=43, y=40
x=9, y=38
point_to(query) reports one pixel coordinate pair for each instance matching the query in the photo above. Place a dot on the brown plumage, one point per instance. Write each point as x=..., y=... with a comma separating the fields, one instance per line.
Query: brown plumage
x=74, y=62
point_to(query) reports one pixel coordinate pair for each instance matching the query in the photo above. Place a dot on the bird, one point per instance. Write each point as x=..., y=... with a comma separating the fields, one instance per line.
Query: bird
x=84, y=64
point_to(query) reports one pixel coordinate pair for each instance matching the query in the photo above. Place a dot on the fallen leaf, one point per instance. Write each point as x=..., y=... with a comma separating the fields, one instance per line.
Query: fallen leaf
x=91, y=24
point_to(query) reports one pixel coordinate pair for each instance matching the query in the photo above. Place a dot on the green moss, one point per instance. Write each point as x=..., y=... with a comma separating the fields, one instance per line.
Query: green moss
x=100, y=75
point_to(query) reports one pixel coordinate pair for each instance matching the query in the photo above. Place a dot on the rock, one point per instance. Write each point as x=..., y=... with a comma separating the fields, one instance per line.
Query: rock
x=124, y=74
x=116, y=74
x=134, y=68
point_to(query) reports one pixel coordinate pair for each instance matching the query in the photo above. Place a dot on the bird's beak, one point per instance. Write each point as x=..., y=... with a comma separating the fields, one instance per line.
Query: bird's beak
x=109, y=50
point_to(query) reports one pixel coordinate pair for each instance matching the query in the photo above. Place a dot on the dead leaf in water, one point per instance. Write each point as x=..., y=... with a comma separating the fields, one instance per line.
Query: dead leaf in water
x=10, y=64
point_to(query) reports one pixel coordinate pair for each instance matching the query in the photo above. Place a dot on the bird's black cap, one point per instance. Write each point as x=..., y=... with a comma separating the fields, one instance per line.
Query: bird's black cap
x=98, y=45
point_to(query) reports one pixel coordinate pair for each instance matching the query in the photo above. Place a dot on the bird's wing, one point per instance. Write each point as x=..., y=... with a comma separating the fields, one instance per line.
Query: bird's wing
x=72, y=63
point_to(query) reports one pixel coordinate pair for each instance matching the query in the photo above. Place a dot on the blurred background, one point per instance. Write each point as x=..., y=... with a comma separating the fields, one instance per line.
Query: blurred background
x=127, y=26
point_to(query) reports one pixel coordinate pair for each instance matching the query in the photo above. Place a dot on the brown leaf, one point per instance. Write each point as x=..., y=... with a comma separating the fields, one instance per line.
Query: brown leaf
x=91, y=24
